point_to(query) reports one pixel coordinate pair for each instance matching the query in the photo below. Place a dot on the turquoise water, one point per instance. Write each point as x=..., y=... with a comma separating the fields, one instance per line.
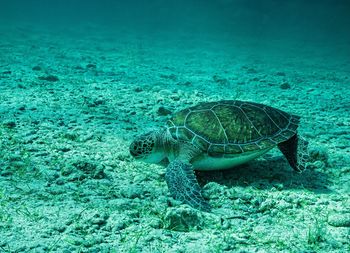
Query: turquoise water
x=79, y=80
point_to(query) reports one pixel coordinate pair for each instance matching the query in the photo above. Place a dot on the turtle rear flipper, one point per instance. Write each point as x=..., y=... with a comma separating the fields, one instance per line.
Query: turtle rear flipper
x=296, y=151
x=183, y=185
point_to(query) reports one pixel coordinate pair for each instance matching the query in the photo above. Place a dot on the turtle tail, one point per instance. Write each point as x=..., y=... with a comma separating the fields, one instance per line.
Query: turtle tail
x=295, y=150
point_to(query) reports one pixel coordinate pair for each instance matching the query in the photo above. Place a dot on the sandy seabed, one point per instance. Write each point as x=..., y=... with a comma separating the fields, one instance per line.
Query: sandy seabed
x=72, y=101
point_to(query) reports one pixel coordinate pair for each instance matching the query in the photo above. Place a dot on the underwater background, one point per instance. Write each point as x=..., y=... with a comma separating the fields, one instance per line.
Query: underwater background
x=80, y=79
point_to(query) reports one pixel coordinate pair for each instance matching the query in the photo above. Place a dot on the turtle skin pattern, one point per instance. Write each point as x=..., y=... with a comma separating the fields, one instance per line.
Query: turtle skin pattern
x=231, y=127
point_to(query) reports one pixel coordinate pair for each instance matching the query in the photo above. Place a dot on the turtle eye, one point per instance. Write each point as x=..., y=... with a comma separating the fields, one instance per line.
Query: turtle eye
x=134, y=150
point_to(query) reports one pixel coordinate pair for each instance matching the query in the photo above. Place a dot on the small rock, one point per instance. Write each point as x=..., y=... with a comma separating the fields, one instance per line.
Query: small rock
x=212, y=190
x=251, y=71
x=49, y=78
x=220, y=80
x=132, y=191
x=285, y=86
x=9, y=124
x=91, y=66
x=138, y=89
x=99, y=173
x=175, y=97
x=123, y=204
x=162, y=111
x=77, y=241
x=117, y=222
x=267, y=205
x=183, y=219
x=6, y=173
x=87, y=167
x=170, y=77
x=60, y=181
x=36, y=68
x=240, y=194
x=283, y=205
x=154, y=235
x=60, y=228
x=64, y=148
x=187, y=83
x=280, y=74
x=319, y=154
x=99, y=220
x=319, y=165
x=279, y=186
x=67, y=170
x=155, y=223
x=339, y=220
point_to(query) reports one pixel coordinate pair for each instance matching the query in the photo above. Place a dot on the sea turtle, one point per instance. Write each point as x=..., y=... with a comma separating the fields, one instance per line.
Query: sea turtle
x=215, y=136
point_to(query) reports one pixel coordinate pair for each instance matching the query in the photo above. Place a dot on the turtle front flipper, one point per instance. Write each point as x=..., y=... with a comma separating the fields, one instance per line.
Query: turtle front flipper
x=296, y=151
x=183, y=185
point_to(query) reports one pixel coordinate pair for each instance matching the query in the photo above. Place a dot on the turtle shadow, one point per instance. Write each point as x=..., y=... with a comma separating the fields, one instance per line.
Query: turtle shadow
x=266, y=174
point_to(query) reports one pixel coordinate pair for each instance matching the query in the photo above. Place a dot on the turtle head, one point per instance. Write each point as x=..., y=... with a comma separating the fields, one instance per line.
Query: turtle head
x=145, y=148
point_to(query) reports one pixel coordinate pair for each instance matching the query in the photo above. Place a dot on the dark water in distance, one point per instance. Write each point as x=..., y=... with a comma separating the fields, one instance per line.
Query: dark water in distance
x=304, y=19
x=265, y=27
